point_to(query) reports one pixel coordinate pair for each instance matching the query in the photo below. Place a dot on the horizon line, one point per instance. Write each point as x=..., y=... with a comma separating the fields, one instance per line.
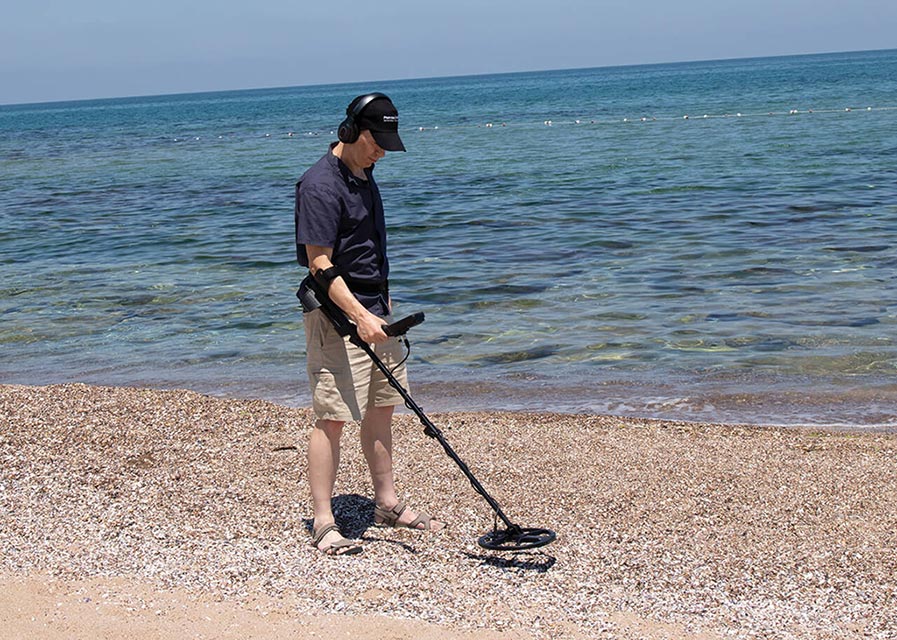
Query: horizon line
x=438, y=77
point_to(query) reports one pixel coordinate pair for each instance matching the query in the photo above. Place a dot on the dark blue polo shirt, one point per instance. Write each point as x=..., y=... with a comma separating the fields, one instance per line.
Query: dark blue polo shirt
x=336, y=209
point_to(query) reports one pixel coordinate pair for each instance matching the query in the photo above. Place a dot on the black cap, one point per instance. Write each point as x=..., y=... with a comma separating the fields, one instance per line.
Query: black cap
x=381, y=118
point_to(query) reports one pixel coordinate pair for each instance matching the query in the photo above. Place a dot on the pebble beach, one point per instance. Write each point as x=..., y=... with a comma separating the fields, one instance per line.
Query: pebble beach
x=129, y=511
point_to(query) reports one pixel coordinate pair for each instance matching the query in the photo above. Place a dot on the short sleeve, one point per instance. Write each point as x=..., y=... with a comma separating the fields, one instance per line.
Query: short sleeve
x=317, y=216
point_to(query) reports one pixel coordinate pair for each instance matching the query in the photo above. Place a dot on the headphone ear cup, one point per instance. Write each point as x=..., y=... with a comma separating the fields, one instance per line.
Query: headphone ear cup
x=348, y=131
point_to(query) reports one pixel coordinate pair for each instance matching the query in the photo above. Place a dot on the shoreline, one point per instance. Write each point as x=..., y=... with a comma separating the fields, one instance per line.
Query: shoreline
x=860, y=406
x=665, y=529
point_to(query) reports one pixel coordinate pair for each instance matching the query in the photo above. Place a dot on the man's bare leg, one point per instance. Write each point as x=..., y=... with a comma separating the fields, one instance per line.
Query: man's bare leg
x=323, y=461
x=376, y=443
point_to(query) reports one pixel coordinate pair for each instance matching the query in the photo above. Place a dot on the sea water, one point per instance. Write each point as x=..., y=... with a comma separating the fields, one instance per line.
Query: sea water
x=699, y=241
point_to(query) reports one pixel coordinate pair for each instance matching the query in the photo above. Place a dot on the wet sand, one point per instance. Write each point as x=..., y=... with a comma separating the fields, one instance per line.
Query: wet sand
x=170, y=514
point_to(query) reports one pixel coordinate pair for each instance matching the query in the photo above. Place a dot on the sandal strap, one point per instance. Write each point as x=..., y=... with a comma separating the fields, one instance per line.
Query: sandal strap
x=319, y=535
x=391, y=516
x=422, y=518
x=341, y=544
x=341, y=547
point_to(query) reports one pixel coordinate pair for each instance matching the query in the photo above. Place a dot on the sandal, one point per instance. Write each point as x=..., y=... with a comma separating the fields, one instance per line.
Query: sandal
x=390, y=518
x=341, y=547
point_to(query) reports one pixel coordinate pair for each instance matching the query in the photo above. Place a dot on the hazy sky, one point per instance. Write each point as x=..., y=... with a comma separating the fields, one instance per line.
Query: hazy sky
x=72, y=49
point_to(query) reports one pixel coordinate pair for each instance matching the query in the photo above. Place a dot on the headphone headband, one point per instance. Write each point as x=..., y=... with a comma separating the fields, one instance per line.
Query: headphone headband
x=348, y=129
x=359, y=104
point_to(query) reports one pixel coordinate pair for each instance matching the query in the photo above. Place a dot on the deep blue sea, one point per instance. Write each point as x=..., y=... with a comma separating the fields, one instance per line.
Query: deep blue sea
x=577, y=243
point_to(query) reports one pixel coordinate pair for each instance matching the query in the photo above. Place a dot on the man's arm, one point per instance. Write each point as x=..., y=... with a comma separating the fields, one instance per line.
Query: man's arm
x=370, y=327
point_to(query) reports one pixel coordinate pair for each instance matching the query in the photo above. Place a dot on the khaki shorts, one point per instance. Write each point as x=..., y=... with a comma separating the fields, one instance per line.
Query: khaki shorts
x=344, y=380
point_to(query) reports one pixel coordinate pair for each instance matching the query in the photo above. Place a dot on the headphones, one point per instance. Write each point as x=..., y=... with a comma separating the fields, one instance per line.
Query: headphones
x=348, y=131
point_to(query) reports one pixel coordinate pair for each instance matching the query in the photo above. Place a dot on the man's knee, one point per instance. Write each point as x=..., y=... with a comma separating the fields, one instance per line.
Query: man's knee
x=380, y=412
x=330, y=428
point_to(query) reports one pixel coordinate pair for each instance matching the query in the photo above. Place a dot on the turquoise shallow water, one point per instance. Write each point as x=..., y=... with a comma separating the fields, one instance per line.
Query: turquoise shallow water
x=576, y=243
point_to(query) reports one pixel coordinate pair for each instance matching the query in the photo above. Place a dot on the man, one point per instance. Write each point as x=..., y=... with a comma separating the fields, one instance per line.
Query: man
x=341, y=238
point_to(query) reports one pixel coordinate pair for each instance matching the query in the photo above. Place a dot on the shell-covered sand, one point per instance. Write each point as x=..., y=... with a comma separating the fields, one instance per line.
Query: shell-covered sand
x=665, y=529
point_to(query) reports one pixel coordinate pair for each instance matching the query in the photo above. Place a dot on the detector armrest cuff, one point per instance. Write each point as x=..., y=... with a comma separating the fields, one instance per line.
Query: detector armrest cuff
x=325, y=277
x=313, y=297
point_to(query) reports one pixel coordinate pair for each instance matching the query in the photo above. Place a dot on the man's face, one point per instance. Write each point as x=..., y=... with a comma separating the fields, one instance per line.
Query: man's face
x=369, y=150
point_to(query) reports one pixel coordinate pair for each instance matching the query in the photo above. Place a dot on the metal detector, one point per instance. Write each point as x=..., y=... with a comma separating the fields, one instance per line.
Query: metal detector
x=513, y=537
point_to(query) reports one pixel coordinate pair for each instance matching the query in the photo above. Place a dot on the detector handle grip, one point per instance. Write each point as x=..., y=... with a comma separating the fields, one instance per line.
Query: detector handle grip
x=401, y=327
